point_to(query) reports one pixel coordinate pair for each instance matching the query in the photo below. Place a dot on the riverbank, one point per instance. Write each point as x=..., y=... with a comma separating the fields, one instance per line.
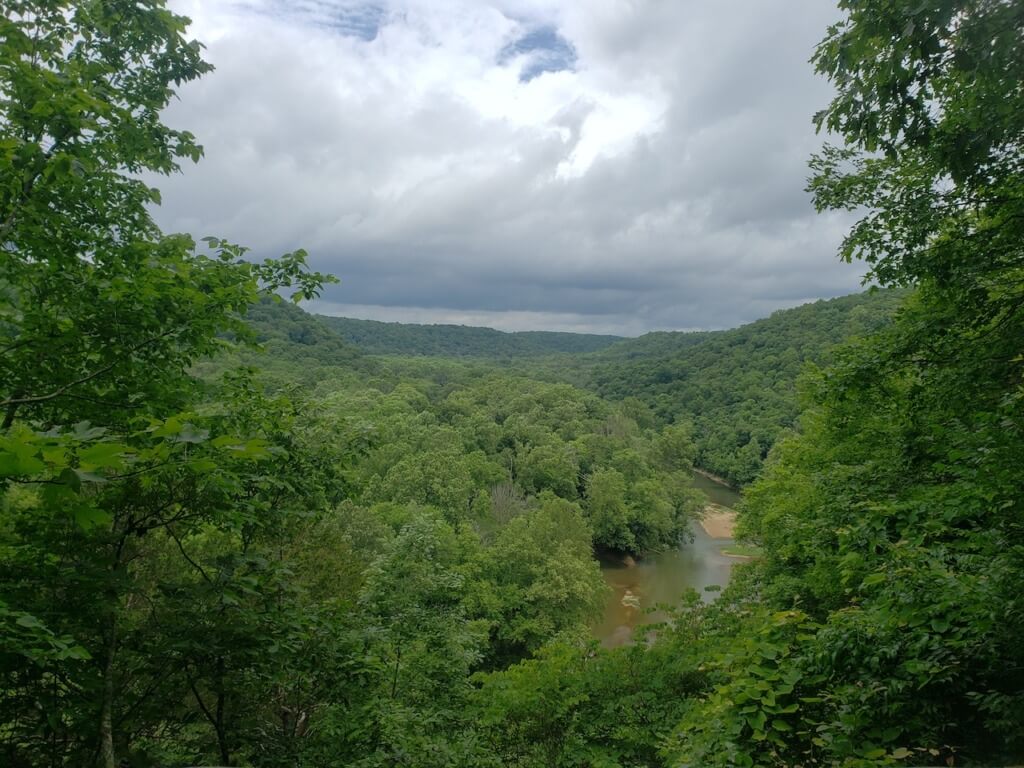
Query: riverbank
x=719, y=522
x=659, y=578
x=716, y=478
x=742, y=551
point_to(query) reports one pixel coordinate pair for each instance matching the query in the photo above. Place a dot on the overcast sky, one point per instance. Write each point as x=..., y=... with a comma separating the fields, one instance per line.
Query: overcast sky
x=613, y=166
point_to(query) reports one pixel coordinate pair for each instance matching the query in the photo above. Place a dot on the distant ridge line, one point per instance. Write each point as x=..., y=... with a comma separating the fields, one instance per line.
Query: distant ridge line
x=377, y=337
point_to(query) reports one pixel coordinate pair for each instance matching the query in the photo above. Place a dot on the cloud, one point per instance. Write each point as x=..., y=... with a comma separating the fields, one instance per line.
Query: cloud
x=542, y=49
x=616, y=165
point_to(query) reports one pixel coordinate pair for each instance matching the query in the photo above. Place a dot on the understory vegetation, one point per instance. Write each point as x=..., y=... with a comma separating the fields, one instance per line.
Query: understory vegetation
x=229, y=536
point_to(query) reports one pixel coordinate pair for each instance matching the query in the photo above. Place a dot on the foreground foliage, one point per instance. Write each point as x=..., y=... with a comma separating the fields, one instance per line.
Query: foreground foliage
x=892, y=526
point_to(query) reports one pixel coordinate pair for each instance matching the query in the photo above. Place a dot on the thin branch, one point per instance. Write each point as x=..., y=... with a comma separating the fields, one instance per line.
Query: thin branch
x=16, y=345
x=199, y=699
x=193, y=563
x=105, y=369
x=27, y=186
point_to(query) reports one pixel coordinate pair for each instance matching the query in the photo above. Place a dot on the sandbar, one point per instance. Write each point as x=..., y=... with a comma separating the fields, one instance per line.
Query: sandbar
x=718, y=521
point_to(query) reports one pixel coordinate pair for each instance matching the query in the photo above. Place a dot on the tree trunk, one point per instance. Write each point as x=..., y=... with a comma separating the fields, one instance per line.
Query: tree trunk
x=222, y=736
x=398, y=665
x=107, y=757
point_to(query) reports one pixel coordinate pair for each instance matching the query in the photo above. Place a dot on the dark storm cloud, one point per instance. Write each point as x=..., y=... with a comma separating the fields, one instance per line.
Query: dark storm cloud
x=616, y=166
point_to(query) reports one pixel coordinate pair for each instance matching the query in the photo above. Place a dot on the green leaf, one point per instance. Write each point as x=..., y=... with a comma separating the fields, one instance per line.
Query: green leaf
x=84, y=431
x=757, y=720
x=76, y=652
x=19, y=465
x=89, y=517
x=224, y=441
x=189, y=433
x=89, y=477
x=70, y=478
x=874, y=578
x=103, y=455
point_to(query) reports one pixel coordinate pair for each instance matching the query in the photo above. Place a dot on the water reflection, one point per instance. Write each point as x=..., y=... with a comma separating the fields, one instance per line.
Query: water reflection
x=662, y=577
x=717, y=493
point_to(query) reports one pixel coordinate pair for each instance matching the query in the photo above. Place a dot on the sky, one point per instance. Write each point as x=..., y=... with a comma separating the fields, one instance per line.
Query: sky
x=606, y=166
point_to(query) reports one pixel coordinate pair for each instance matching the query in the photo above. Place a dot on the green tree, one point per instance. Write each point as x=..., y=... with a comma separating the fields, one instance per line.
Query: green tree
x=893, y=520
x=548, y=466
x=541, y=578
x=100, y=310
x=607, y=510
x=423, y=637
x=573, y=704
x=100, y=317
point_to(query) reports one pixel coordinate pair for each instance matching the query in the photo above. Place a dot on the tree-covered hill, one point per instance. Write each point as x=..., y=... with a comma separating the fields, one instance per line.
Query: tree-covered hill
x=738, y=387
x=291, y=346
x=377, y=338
x=287, y=331
x=804, y=329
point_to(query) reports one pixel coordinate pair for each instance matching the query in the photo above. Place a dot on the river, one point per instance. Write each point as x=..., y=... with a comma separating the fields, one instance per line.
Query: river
x=662, y=577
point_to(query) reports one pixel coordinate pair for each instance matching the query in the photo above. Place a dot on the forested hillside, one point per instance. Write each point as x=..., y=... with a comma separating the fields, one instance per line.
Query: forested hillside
x=284, y=331
x=377, y=338
x=230, y=537
x=739, y=387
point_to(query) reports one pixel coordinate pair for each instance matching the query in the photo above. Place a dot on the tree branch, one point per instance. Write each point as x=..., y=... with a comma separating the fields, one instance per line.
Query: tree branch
x=193, y=563
x=33, y=399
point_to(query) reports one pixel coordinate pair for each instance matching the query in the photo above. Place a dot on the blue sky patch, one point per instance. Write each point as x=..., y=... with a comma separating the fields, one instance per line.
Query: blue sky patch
x=545, y=51
x=361, y=20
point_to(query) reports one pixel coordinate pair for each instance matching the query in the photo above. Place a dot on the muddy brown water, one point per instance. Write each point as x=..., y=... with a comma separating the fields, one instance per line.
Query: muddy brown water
x=664, y=576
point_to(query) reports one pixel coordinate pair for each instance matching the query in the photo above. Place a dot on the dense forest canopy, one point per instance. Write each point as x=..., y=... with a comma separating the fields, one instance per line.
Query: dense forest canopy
x=736, y=388
x=739, y=387
x=377, y=338
x=229, y=536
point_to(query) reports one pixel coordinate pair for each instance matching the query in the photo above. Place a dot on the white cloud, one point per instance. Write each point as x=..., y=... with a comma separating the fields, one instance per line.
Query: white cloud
x=656, y=183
